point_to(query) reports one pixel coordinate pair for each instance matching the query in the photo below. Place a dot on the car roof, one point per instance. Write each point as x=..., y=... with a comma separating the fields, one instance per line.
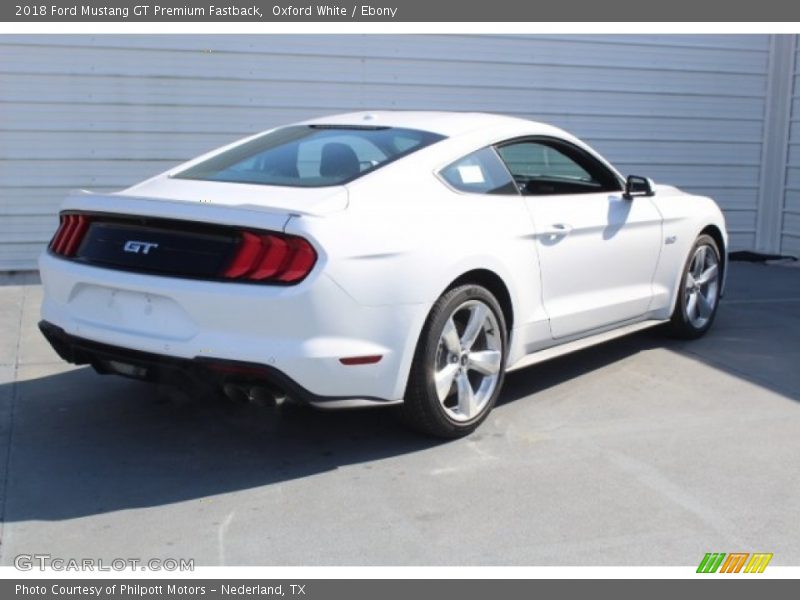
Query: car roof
x=449, y=124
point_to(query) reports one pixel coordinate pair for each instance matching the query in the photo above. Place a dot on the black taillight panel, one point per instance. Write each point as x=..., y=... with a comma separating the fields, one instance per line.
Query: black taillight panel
x=183, y=248
x=157, y=250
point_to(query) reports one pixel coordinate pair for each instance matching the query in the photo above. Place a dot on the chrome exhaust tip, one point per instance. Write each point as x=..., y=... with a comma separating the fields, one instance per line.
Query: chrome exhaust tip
x=258, y=395
x=266, y=396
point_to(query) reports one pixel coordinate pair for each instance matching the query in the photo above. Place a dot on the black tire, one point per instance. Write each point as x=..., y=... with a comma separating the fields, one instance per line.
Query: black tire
x=422, y=409
x=680, y=324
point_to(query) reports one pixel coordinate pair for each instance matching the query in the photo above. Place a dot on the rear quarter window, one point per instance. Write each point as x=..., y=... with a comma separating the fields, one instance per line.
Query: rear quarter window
x=481, y=172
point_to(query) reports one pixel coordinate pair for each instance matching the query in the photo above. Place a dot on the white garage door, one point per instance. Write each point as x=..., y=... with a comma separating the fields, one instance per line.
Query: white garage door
x=102, y=112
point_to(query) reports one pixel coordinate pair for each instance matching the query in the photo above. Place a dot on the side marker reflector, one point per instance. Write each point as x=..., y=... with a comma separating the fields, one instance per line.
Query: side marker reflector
x=361, y=360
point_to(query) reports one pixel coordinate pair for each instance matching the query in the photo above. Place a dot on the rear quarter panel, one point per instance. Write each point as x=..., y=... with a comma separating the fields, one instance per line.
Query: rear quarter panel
x=406, y=237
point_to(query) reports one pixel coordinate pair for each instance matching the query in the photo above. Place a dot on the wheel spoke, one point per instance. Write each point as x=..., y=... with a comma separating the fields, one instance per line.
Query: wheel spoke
x=704, y=306
x=444, y=380
x=691, y=306
x=468, y=362
x=477, y=318
x=450, y=337
x=690, y=280
x=466, y=396
x=700, y=261
x=710, y=274
x=486, y=362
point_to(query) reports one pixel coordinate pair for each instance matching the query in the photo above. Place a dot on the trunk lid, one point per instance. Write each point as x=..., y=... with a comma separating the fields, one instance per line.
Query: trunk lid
x=317, y=201
x=182, y=237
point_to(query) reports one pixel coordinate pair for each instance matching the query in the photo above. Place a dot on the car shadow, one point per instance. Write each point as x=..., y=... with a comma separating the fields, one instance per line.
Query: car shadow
x=87, y=444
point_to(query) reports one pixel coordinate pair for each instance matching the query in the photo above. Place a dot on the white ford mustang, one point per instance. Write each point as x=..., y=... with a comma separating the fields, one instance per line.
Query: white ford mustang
x=382, y=258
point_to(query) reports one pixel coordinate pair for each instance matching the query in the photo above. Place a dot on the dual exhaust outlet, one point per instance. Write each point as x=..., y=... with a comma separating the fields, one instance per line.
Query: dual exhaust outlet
x=256, y=394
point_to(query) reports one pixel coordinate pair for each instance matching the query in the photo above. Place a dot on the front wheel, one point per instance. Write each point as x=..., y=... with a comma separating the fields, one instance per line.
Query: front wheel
x=698, y=296
x=459, y=364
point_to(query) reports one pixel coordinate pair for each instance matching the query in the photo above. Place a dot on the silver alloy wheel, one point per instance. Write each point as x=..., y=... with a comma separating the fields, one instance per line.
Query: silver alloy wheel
x=701, y=290
x=468, y=360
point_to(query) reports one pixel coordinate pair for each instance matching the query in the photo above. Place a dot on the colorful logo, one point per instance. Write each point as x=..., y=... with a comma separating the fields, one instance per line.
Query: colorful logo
x=733, y=562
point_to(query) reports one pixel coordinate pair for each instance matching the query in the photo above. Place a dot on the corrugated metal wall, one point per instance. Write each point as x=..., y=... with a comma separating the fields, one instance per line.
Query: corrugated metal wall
x=790, y=230
x=102, y=112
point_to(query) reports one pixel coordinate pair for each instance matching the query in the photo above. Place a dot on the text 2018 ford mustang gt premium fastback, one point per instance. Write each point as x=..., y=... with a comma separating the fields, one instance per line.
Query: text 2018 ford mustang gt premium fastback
x=387, y=258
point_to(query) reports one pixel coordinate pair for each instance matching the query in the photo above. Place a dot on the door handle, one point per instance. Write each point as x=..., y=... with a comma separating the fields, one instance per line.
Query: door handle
x=558, y=230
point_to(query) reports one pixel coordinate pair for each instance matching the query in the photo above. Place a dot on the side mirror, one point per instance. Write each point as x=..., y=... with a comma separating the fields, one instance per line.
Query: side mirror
x=638, y=186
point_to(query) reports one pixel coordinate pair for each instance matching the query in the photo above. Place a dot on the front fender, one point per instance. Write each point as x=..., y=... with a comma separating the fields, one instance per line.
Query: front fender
x=685, y=217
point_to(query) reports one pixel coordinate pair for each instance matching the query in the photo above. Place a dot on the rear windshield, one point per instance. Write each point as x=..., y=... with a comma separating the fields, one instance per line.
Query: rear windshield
x=310, y=155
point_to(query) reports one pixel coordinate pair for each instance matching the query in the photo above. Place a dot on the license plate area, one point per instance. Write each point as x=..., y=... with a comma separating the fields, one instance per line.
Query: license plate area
x=153, y=316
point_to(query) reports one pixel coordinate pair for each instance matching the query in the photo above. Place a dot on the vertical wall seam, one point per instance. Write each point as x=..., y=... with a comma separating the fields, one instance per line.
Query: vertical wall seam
x=784, y=200
x=775, y=143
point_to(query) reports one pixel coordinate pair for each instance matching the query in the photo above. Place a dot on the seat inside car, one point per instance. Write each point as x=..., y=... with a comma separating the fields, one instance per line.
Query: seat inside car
x=281, y=162
x=339, y=160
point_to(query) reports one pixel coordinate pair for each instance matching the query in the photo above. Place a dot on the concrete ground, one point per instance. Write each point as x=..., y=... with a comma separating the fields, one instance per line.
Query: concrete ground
x=644, y=451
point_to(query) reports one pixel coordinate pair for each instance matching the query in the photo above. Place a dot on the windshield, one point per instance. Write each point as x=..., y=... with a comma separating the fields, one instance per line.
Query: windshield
x=310, y=155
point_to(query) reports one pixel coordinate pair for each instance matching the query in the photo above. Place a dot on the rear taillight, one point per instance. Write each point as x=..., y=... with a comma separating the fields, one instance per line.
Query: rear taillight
x=271, y=257
x=69, y=235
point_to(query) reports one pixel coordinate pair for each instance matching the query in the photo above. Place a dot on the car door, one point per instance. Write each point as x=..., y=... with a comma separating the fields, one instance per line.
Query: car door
x=597, y=250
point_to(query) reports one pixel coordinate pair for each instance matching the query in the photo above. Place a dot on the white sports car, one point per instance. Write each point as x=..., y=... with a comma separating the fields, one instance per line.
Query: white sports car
x=384, y=258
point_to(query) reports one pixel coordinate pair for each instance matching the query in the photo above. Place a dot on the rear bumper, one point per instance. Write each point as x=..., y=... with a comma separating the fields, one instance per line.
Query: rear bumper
x=300, y=331
x=146, y=366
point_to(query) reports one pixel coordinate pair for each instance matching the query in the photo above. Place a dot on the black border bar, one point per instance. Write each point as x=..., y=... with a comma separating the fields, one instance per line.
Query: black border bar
x=442, y=11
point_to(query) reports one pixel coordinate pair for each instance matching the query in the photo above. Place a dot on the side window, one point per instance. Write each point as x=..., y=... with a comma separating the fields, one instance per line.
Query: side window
x=481, y=172
x=554, y=167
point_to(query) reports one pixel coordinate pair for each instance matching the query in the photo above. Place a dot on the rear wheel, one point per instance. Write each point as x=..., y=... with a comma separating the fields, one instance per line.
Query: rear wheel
x=458, y=367
x=698, y=296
